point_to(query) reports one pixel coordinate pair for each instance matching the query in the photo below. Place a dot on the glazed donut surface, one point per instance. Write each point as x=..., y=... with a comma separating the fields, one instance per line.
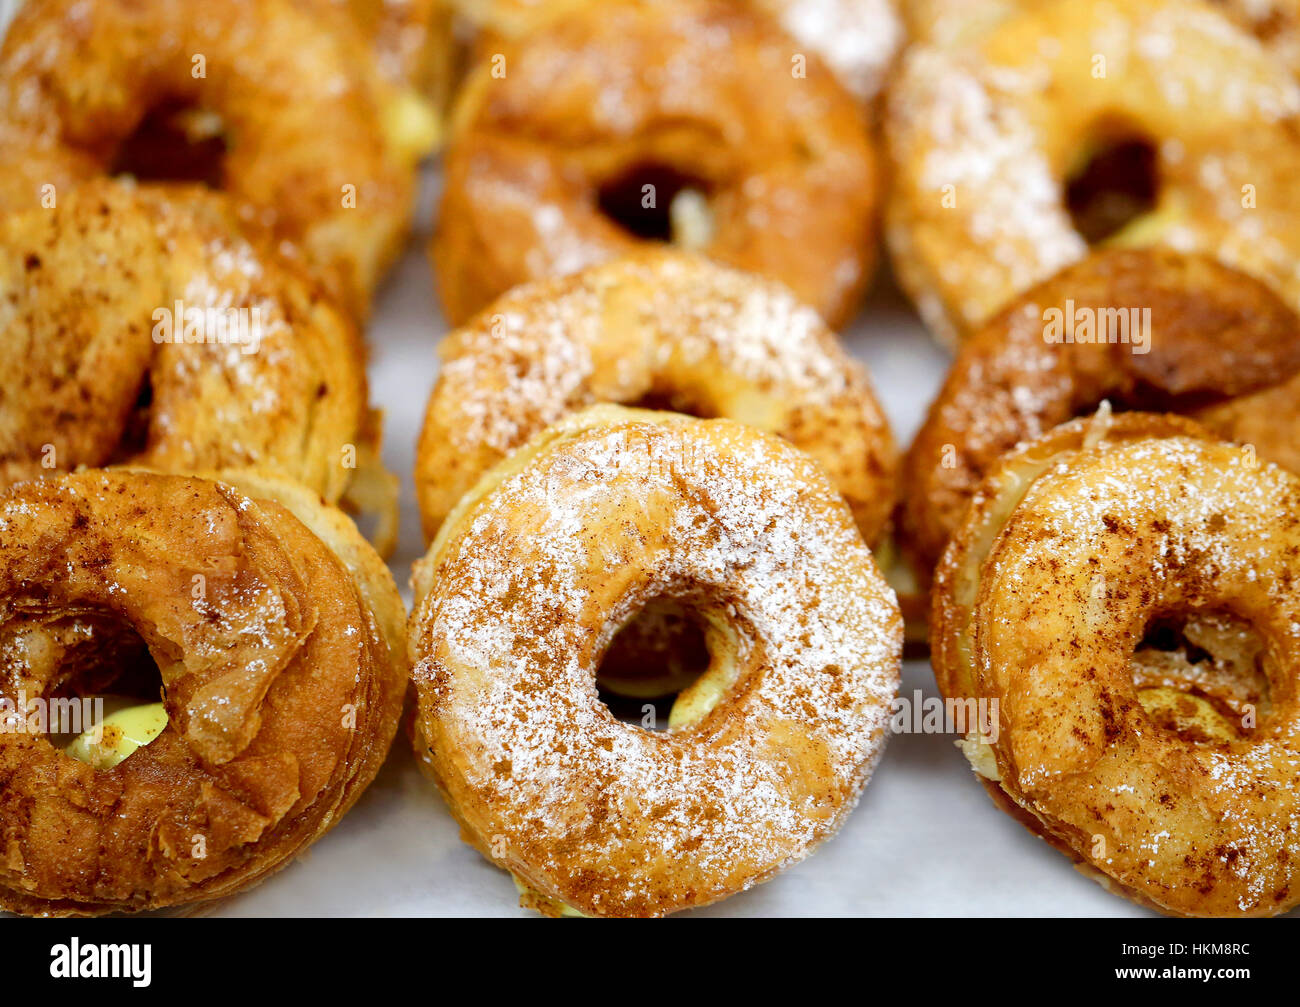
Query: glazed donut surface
x=777, y=172
x=1171, y=778
x=1216, y=345
x=660, y=327
x=282, y=684
x=529, y=580
x=984, y=140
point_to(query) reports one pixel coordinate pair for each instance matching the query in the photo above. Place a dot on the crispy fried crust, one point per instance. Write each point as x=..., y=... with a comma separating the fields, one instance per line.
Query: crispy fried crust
x=1222, y=348
x=519, y=596
x=1073, y=546
x=283, y=685
x=983, y=138
x=96, y=368
x=857, y=39
x=785, y=161
x=304, y=114
x=663, y=327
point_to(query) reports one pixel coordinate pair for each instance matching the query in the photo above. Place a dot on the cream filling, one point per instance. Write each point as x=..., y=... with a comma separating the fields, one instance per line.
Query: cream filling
x=412, y=126
x=118, y=735
x=690, y=220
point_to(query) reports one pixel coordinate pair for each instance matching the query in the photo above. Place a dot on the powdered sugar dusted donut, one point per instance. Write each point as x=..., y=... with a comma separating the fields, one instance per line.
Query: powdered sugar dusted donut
x=663, y=328
x=988, y=140
x=529, y=580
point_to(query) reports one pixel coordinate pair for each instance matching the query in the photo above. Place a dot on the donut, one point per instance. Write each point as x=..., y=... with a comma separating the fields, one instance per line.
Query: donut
x=1134, y=123
x=1127, y=597
x=528, y=581
x=856, y=39
x=263, y=100
x=586, y=148
x=280, y=664
x=143, y=327
x=661, y=328
x=1190, y=335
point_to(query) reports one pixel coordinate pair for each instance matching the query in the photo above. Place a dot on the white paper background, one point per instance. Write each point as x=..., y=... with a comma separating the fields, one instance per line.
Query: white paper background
x=925, y=840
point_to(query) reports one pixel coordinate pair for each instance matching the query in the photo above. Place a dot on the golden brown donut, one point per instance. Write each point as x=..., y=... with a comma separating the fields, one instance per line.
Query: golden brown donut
x=751, y=155
x=261, y=99
x=282, y=684
x=663, y=329
x=1126, y=594
x=142, y=327
x=527, y=583
x=856, y=39
x=1216, y=345
x=992, y=145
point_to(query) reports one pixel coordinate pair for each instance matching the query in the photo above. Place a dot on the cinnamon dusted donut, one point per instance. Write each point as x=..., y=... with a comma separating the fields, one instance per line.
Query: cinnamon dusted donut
x=142, y=327
x=1142, y=122
x=687, y=120
x=1128, y=598
x=527, y=583
x=663, y=328
x=282, y=676
x=856, y=39
x=1147, y=330
x=261, y=99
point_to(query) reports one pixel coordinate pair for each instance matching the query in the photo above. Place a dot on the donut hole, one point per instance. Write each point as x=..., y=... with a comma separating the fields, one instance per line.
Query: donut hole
x=1116, y=181
x=135, y=434
x=175, y=141
x=670, y=401
x=660, y=651
x=656, y=202
x=1203, y=676
x=670, y=664
x=75, y=668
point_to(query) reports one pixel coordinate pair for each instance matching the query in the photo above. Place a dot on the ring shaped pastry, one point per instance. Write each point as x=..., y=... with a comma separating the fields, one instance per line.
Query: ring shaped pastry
x=143, y=328
x=1177, y=333
x=525, y=587
x=282, y=684
x=664, y=328
x=989, y=143
x=611, y=125
x=260, y=99
x=1168, y=770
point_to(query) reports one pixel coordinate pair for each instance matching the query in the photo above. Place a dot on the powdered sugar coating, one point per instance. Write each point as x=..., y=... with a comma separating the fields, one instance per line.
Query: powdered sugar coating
x=857, y=38
x=691, y=335
x=122, y=288
x=523, y=593
x=1115, y=535
x=983, y=138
